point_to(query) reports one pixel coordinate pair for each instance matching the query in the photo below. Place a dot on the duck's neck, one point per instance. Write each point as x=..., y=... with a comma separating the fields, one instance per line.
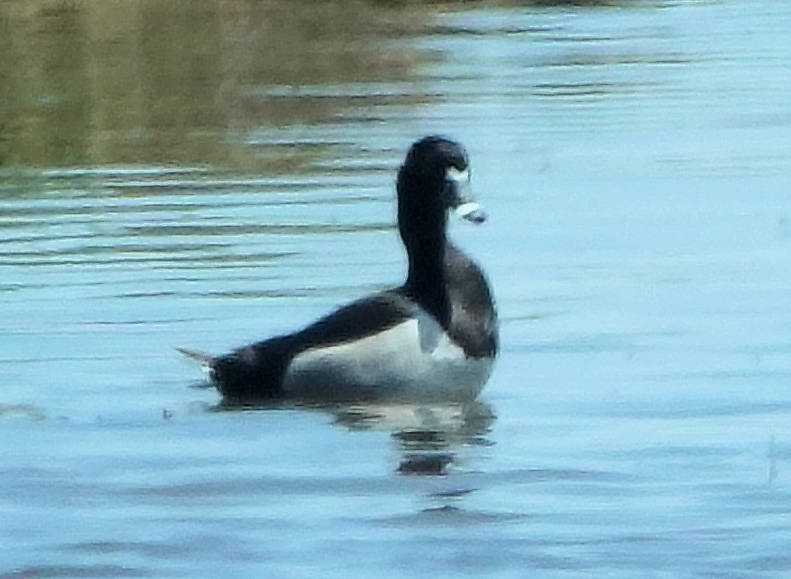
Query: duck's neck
x=422, y=222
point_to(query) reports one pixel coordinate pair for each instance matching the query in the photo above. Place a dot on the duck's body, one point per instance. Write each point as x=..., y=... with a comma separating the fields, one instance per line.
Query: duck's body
x=432, y=339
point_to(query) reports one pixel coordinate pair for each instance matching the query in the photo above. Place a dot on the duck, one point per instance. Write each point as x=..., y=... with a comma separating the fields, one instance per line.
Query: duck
x=432, y=339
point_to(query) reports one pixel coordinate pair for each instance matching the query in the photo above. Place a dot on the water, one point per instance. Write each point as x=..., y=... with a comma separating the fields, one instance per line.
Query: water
x=208, y=176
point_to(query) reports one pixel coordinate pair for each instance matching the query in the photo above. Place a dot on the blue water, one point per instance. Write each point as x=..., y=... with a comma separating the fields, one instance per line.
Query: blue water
x=634, y=161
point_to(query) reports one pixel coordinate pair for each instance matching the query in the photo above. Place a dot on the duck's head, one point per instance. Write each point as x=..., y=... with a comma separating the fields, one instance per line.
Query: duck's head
x=435, y=178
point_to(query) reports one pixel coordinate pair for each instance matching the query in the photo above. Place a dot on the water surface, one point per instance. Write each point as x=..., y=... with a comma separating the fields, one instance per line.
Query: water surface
x=215, y=174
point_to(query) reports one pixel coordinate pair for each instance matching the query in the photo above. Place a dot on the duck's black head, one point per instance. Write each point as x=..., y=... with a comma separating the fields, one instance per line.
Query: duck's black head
x=434, y=178
x=431, y=156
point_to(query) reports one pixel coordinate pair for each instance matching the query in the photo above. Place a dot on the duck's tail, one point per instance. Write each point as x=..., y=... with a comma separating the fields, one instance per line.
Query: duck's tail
x=206, y=360
x=252, y=373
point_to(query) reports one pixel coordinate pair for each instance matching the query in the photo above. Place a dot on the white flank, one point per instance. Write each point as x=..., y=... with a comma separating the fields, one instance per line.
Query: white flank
x=413, y=361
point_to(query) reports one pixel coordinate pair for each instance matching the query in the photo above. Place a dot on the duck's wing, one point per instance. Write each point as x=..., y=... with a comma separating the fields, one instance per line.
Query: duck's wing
x=357, y=320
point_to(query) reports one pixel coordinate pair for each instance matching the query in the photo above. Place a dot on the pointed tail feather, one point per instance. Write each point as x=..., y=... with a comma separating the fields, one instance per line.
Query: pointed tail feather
x=206, y=360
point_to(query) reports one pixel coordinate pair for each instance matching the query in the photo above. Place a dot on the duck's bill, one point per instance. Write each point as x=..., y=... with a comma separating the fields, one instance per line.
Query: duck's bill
x=460, y=197
x=471, y=212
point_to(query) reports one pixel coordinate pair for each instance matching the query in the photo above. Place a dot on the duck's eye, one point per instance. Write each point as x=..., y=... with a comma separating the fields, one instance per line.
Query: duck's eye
x=456, y=176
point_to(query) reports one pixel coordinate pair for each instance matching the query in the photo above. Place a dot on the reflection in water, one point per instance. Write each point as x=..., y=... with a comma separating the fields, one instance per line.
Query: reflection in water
x=184, y=83
x=180, y=82
x=28, y=411
x=427, y=435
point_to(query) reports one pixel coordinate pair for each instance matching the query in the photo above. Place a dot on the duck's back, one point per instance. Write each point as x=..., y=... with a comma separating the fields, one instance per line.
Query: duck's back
x=266, y=369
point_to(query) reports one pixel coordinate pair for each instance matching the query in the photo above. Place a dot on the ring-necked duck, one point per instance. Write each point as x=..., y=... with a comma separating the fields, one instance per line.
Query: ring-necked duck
x=432, y=339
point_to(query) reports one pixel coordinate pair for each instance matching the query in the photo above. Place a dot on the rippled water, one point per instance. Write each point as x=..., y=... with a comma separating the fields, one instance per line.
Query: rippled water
x=213, y=176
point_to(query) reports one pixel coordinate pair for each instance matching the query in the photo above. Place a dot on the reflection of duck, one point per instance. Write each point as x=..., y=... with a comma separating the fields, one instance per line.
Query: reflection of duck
x=419, y=426
x=434, y=338
x=429, y=435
